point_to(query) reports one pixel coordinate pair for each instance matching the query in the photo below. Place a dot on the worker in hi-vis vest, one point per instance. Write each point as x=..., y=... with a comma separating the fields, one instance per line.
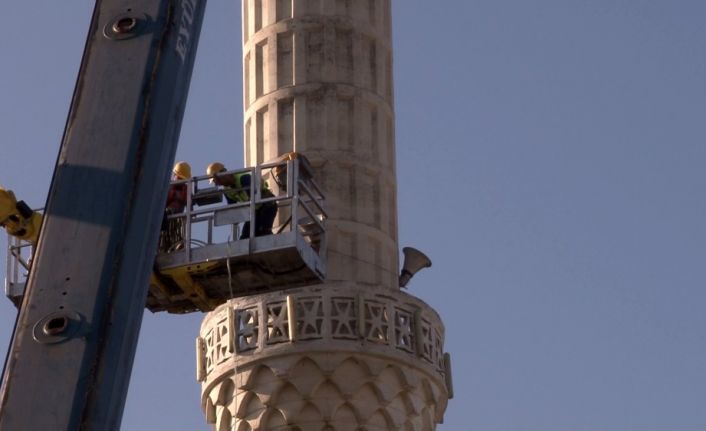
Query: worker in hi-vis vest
x=236, y=188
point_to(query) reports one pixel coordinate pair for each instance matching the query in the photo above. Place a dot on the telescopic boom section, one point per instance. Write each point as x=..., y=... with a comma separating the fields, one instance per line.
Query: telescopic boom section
x=72, y=351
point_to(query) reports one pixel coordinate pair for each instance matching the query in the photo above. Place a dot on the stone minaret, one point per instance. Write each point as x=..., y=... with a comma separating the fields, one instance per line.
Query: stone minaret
x=363, y=355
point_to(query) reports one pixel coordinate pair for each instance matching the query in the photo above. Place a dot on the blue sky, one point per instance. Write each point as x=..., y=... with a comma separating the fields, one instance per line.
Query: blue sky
x=551, y=162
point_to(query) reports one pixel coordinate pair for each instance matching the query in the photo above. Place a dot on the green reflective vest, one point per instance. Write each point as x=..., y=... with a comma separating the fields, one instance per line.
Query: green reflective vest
x=241, y=191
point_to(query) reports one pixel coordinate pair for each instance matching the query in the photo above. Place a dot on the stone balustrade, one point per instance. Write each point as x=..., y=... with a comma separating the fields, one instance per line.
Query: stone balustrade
x=338, y=332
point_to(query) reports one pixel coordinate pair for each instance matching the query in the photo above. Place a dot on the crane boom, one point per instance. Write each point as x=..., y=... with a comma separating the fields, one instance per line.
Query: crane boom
x=72, y=350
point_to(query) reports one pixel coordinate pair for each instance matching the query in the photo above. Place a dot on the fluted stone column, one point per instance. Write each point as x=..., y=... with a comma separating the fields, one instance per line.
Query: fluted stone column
x=353, y=353
x=318, y=80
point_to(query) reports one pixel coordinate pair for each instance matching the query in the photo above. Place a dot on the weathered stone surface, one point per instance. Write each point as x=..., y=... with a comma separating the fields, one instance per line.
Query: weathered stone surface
x=318, y=80
x=354, y=353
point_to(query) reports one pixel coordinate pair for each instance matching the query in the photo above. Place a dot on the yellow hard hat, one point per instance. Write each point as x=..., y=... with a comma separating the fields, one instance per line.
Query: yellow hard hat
x=214, y=168
x=182, y=170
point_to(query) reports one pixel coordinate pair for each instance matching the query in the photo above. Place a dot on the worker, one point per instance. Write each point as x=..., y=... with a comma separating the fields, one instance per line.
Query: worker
x=172, y=235
x=236, y=188
x=279, y=172
x=176, y=197
x=18, y=219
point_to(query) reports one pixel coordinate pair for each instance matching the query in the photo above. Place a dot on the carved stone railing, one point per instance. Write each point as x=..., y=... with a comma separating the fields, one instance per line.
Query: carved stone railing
x=323, y=318
x=327, y=357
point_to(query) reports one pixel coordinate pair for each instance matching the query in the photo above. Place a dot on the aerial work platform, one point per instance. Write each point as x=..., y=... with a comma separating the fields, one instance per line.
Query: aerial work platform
x=203, y=262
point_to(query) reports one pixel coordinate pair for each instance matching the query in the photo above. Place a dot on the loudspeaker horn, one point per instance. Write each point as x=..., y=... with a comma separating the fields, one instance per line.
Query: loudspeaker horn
x=414, y=260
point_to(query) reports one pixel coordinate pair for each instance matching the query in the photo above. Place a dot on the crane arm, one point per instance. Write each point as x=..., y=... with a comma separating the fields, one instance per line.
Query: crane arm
x=72, y=351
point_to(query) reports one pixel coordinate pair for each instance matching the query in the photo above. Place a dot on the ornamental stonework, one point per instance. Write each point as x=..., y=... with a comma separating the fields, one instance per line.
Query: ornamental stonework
x=324, y=358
